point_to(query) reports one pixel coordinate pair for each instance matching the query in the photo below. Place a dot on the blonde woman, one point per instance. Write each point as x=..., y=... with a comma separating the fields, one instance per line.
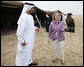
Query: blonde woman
x=56, y=30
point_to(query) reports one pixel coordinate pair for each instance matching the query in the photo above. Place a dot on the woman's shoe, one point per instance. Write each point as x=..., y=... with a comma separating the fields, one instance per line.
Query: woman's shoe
x=62, y=62
x=54, y=60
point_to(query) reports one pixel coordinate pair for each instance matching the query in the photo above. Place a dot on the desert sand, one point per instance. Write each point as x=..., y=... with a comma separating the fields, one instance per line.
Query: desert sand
x=43, y=51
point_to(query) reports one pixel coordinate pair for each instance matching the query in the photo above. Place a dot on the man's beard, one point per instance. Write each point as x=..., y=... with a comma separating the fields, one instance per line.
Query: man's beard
x=33, y=12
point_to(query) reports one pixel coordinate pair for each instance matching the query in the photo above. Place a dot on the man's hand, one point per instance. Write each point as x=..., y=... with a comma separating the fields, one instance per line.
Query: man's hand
x=23, y=44
x=37, y=29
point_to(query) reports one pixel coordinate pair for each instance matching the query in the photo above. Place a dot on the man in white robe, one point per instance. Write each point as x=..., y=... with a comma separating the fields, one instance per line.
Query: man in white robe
x=26, y=36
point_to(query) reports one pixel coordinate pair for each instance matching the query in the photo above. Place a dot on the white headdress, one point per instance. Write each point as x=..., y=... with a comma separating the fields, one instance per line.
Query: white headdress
x=27, y=7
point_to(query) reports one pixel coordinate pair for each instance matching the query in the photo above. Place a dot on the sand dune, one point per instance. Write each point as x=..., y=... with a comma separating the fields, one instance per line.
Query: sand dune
x=43, y=52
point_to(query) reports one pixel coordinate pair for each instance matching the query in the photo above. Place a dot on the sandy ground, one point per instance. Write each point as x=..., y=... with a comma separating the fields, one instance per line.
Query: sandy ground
x=43, y=52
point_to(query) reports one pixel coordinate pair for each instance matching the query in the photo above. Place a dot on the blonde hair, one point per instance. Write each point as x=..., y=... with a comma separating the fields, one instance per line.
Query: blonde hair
x=53, y=16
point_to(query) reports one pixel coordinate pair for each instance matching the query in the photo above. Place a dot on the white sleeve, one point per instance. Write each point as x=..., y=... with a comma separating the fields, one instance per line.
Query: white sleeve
x=20, y=30
x=20, y=39
x=35, y=27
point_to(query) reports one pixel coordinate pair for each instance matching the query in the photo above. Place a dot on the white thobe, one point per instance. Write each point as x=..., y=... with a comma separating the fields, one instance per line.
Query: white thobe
x=25, y=33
